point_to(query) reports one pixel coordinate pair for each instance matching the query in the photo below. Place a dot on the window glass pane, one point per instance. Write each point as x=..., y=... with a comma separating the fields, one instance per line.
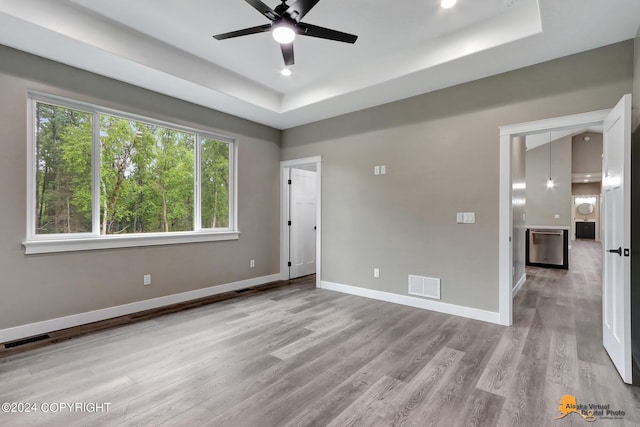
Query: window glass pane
x=214, y=169
x=63, y=170
x=146, y=178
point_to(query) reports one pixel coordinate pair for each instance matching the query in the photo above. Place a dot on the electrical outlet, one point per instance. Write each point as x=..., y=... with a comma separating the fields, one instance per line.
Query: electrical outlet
x=252, y=263
x=147, y=279
x=376, y=273
x=557, y=216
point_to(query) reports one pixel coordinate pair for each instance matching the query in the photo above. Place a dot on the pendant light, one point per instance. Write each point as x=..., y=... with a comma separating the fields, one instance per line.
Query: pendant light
x=550, y=182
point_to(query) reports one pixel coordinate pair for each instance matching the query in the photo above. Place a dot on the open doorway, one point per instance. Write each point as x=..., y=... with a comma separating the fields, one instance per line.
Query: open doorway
x=300, y=213
x=615, y=277
x=512, y=194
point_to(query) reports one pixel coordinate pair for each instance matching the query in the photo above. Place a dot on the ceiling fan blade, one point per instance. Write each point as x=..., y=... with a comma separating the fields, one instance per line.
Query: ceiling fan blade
x=325, y=33
x=287, y=53
x=245, y=32
x=263, y=9
x=299, y=9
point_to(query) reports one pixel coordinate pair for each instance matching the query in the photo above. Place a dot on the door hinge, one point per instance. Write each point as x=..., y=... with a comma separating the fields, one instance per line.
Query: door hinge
x=289, y=182
x=289, y=264
x=289, y=223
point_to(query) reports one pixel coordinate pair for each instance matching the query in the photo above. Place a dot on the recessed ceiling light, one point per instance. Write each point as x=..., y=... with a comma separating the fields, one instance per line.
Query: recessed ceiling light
x=588, y=176
x=285, y=72
x=586, y=180
x=446, y=4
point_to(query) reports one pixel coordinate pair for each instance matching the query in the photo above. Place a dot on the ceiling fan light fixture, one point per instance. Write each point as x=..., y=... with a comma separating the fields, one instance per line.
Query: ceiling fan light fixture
x=283, y=33
x=446, y=4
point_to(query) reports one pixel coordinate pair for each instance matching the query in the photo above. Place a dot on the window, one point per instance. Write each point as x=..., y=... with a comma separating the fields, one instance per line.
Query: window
x=103, y=176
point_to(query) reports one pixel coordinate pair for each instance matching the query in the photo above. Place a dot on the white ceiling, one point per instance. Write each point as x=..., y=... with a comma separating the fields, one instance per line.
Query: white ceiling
x=404, y=48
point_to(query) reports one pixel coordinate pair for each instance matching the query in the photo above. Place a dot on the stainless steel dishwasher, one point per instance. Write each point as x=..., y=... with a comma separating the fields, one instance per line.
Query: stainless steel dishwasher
x=546, y=246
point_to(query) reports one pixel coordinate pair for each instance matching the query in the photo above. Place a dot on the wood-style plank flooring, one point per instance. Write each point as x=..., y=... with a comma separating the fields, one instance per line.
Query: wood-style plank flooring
x=298, y=356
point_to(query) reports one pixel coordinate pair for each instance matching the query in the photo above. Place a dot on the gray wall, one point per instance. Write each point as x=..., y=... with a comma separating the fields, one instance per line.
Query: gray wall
x=586, y=188
x=586, y=156
x=442, y=155
x=544, y=203
x=40, y=287
x=518, y=196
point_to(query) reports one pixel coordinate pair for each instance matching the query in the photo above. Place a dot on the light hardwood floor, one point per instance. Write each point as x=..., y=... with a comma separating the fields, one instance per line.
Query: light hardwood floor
x=298, y=356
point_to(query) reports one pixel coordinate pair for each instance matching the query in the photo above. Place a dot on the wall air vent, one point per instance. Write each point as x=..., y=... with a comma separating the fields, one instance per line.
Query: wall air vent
x=424, y=286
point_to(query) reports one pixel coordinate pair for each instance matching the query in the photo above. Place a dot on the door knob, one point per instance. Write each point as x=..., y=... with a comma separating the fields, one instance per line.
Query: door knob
x=615, y=251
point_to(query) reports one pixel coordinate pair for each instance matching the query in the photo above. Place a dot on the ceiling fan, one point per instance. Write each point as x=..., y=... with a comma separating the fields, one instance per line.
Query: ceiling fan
x=286, y=24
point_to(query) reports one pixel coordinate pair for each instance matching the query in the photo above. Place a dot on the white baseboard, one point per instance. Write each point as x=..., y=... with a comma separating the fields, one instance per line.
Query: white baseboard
x=29, y=330
x=519, y=285
x=441, y=307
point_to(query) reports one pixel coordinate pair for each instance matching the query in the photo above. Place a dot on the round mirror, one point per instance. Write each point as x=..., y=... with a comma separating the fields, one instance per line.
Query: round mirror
x=585, y=209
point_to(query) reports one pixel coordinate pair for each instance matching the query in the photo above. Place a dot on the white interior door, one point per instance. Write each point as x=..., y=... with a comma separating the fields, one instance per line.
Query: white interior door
x=302, y=231
x=616, y=273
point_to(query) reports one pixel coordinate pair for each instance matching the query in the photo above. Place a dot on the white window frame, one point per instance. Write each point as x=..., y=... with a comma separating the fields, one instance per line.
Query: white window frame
x=50, y=243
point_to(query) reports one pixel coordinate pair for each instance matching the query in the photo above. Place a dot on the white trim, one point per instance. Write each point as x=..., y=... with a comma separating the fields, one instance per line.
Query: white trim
x=284, y=204
x=285, y=166
x=440, y=307
x=301, y=162
x=505, y=244
x=555, y=123
x=319, y=222
x=549, y=227
x=29, y=330
x=124, y=241
x=519, y=285
x=505, y=227
x=92, y=108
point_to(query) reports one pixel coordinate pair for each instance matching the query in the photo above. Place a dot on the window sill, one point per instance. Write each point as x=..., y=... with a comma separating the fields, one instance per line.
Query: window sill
x=114, y=242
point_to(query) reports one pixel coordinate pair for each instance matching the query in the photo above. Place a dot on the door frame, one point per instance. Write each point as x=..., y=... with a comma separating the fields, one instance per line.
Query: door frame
x=505, y=227
x=285, y=165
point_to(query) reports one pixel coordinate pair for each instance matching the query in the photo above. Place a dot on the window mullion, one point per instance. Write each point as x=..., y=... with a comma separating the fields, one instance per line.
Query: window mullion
x=197, y=220
x=32, y=160
x=233, y=192
x=95, y=169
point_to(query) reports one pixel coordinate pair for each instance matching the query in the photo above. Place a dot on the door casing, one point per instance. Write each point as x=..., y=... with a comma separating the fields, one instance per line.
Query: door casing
x=505, y=238
x=284, y=214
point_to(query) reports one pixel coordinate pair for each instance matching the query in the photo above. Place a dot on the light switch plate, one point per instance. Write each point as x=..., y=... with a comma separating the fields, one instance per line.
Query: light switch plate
x=376, y=170
x=383, y=170
x=469, y=217
x=557, y=216
x=460, y=218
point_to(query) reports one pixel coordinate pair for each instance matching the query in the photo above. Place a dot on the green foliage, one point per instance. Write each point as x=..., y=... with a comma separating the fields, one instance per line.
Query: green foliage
x=146, y=178
x=63, y=170
x=214, y=168
x=146, y=182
